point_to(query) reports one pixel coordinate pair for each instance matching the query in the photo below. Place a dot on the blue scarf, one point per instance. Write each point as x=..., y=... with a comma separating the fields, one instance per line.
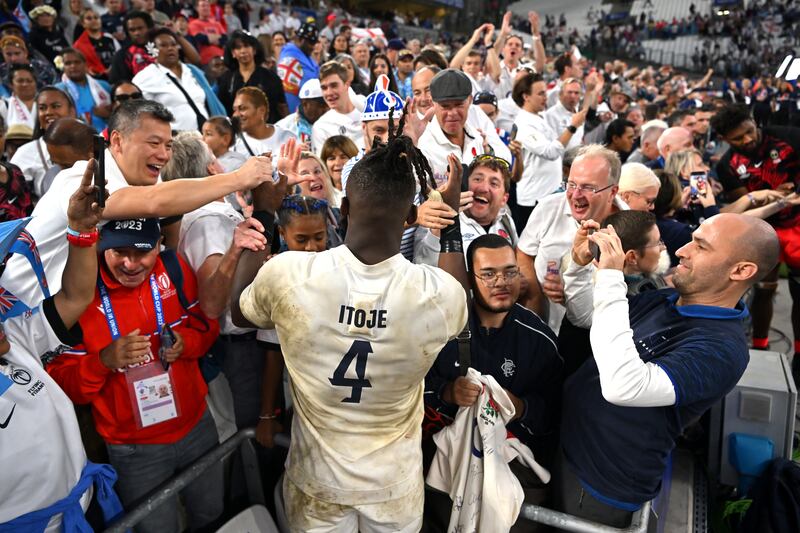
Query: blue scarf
x=215, y=107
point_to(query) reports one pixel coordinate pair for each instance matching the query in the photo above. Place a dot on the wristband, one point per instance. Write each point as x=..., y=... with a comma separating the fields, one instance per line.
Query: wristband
x=572, y=129
x=450, y=239
x=490, y=46
x=273, y=416
x=82, y=240
x=781, y=203
x=752, y=199
x=267, y=220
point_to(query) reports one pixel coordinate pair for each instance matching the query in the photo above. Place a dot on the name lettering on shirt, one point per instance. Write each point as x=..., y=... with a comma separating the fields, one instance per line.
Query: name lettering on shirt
x=361, y=318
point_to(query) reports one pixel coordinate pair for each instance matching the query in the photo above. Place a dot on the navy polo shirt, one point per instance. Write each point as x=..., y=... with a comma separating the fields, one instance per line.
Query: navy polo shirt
x=522, y=356
x=619, y=453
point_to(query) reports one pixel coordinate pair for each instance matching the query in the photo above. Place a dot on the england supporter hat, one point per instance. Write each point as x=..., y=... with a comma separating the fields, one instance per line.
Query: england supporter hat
x=138, y=233
x=311, y=89
x=381, y=101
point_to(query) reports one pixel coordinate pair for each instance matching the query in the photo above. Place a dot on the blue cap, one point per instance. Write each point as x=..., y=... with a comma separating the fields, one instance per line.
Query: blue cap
x=381, y=101
x=139, y=233
x=396, y=44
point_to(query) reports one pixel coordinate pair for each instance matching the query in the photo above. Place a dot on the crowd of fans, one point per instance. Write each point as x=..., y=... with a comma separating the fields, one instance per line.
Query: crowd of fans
x=315, y=224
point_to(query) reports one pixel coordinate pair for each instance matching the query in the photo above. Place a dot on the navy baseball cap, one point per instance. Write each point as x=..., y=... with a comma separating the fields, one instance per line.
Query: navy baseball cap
x=485, y=97
x=138, y=233
x=396, y=44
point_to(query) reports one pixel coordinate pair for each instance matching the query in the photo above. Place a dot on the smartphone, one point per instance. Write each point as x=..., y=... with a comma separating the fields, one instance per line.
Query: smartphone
x=513, y=132
x=594, y=248
x=100, y=169
x=697, y=184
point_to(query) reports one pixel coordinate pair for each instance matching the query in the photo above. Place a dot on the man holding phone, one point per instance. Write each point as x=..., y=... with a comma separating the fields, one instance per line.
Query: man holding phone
x=140, y=145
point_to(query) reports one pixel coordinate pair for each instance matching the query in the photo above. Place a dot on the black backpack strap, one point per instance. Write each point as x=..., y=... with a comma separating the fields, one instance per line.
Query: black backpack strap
x=173, y=267
x=246, y=144
x=200, y=118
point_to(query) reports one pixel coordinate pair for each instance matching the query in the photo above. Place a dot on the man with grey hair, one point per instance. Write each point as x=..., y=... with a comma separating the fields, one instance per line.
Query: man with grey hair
x=360, y=54
x=591, y=191
x=140, y=145
x=212, y=239
x=672, y=140
x=648, y=147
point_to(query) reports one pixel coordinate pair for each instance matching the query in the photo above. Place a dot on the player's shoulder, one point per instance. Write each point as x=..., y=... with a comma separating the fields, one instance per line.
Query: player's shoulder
x=435, y=284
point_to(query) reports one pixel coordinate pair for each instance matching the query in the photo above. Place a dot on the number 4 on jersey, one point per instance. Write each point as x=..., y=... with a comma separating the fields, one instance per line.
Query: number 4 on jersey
x=358, y=351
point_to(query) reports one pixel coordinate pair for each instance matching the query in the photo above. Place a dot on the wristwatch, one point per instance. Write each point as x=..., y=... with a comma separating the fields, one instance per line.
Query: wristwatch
x=572, y=129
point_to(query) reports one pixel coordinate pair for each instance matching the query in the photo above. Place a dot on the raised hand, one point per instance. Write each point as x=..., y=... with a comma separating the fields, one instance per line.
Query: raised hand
x=254, y=172
x=581, y=254
x=83, y=213
x=289, y=160
x=451, y=191
x=249, y=235
x=612, y=256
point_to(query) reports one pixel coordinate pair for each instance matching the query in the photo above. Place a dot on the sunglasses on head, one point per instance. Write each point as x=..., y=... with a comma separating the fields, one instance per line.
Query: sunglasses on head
x=489, y=157
x=124, y=97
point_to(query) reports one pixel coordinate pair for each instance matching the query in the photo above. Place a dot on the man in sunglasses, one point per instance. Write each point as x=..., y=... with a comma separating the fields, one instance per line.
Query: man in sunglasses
x=123, y=92
x=514, y=346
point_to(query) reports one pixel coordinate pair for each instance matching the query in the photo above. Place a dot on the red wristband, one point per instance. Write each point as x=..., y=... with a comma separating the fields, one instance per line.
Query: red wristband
x=82, y=240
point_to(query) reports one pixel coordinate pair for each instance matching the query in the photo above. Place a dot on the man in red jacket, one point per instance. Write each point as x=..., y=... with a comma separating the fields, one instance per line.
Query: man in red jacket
x=138, y=369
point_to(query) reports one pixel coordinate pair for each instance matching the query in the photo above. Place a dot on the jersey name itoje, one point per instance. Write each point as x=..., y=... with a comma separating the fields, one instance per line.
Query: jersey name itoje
x=374, y=318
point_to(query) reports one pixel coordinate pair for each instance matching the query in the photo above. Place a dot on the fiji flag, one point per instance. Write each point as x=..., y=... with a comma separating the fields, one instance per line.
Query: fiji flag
x=22, y=17
x=5, y=383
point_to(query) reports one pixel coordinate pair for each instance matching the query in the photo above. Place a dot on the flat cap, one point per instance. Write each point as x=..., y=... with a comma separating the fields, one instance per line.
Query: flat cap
x=450, y=84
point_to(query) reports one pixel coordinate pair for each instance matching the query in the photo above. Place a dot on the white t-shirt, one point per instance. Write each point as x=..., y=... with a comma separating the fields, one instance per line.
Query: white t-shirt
x=40, y=444
x=357, y=340
x=559, y=118
x=541, y=153
x=29, y=161
x=155, y=85
x=259, y=146
x=231, y=160
x=49, y=228
x=335, y=123
x=205, y=232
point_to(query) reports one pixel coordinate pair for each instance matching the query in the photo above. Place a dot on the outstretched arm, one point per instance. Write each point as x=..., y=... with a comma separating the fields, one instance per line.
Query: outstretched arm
x=451, y=254
x=181, y=196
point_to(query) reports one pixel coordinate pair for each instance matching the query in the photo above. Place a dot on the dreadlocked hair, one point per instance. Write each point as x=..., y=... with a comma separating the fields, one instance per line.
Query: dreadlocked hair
x=388, y=171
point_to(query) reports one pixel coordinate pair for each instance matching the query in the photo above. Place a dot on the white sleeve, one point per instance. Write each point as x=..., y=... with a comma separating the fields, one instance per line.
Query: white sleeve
x=426, y=247
x=203, y=239
x=531, y=236
x=579, y=293
x=538, y=144
x=624, y=378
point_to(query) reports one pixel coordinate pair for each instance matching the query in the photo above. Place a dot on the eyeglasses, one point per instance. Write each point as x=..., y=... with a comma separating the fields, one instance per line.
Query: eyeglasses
x=491, y=278
x=660, y=244
x=124, y=97
x=650, y=202
x=585, y=189
x=489, y=157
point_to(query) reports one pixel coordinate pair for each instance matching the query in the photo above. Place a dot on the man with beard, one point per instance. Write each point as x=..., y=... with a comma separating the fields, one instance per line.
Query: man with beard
x=514, y=346
x=661, y=359
x=765, y=158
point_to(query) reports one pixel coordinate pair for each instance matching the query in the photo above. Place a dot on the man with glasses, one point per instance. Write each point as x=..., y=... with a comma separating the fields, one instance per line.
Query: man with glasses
x=542, y=148
x=514, y=346
x=591, y=191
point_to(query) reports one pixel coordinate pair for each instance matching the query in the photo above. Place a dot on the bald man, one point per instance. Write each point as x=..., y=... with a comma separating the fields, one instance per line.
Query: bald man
x=672, y=140
x=661, y=359
x=68, y=141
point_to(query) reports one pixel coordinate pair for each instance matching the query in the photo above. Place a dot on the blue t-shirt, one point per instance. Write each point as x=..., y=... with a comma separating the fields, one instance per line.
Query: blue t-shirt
x=85, y=103
x=620, y=453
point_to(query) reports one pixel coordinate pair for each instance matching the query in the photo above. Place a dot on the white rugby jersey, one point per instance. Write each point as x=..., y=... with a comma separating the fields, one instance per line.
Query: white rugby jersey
x=40, y=443
x=357, y=340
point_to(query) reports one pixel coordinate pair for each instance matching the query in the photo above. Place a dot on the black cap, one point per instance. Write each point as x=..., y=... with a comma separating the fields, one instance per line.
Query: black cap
x=450, y=84
x=309, y=32
x=485, y=97
x=139, y=233
x=396, y=44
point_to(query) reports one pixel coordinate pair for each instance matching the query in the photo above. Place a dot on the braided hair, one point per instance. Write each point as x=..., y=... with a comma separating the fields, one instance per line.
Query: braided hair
x=385, y=171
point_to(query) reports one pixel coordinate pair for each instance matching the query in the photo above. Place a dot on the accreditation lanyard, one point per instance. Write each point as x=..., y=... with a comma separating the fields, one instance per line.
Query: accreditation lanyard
x=108, y=310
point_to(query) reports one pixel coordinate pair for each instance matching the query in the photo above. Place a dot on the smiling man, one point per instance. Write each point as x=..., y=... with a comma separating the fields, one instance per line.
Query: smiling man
x=767, y=158
x=140, y=145
x=342, y=118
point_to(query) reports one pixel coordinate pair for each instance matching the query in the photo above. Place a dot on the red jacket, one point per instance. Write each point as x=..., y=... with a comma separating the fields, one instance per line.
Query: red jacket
x=86, y=380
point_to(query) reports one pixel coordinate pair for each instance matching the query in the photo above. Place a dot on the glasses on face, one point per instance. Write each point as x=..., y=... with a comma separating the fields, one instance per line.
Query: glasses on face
x=650, y=202
x=571, y=186
x=660, y=244
x=490, y=278
x=489, y=157
x=124, y=97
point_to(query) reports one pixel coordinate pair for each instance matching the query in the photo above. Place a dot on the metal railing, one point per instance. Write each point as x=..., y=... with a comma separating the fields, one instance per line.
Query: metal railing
x=243, y=440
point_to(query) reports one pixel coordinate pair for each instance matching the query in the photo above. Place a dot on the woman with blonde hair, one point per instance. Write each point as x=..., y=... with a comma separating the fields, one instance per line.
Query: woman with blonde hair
x=638, y=186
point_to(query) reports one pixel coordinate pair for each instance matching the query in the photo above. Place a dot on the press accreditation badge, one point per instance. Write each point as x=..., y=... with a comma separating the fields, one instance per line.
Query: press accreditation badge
x=152, y=394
